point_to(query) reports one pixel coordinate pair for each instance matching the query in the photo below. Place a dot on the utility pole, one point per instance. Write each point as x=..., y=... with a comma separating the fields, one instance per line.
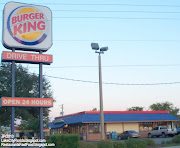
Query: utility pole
x=62, y=107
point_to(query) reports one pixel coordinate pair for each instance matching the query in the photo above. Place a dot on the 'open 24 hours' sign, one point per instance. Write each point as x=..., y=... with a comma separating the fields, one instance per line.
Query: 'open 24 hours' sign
x=27, y=27
x=26, y=102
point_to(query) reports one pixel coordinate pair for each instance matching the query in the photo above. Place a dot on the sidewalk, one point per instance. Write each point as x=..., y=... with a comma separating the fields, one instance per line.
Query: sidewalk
x=172, y=147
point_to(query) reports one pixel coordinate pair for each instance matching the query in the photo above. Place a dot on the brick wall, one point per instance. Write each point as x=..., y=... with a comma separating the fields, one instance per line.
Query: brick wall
x=93, y=136
x=143, y=134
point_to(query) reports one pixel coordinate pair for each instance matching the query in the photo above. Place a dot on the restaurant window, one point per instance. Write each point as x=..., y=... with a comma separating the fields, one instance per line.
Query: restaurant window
x=94, y=128
x=82, y=129
x=155, y=129
x=148, y=126
x=145, y=126
x=161, y=124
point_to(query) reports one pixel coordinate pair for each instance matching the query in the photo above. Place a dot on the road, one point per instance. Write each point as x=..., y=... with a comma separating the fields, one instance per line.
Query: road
x=158, y=140
x=172, y=147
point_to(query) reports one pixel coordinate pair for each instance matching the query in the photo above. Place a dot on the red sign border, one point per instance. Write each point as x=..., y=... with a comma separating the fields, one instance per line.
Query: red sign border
x=23, y=61
x=21, y=105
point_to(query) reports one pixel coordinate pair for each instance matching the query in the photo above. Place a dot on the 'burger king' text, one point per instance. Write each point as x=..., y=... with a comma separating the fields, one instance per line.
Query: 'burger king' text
x=23, y=23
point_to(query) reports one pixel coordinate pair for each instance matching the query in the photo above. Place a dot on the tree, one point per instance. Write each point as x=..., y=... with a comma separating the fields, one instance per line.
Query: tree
x=165, y=106
x=26, y=85
x=31, y=124
x=94, y=109
x=135, y=108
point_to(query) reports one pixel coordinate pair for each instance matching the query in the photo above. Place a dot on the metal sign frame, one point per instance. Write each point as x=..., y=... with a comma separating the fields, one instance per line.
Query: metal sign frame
x=39, y=44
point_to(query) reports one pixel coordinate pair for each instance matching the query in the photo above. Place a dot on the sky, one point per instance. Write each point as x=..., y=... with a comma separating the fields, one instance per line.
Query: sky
x=143, y=38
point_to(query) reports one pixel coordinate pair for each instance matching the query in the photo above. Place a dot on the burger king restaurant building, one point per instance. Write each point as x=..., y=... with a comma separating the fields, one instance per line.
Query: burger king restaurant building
x=87, y=123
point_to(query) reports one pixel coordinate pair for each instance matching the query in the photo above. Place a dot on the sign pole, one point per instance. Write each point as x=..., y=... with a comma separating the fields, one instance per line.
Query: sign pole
x=40, y=95
x=14, y=40
x=12, y=95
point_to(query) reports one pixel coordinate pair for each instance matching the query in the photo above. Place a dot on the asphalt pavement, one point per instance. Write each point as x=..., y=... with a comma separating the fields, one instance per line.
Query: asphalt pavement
x=172, y=147
x=159, y=140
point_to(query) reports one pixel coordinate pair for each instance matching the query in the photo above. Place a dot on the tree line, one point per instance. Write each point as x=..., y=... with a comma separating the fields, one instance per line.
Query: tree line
x=26, y=85
x=159, y=106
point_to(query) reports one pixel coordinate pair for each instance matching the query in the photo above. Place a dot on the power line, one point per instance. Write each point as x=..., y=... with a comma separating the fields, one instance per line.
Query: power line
x=107, y=4
x=135, y=84
x=108, y=40
x=110, y=4
x=107, y=66
x=110, y=83
x=119, y=18
x=115, y=11
x=114, y=40
x=71, y=79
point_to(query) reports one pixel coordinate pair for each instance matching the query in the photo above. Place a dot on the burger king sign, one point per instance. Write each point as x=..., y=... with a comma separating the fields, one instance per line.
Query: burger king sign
x=27, y=27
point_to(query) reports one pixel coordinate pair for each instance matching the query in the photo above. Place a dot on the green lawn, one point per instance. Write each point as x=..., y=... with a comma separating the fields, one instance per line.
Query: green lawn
x=168, y=145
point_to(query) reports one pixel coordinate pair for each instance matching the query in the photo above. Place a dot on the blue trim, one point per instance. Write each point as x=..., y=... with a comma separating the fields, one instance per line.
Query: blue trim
x=121, y=117
x=52, y=125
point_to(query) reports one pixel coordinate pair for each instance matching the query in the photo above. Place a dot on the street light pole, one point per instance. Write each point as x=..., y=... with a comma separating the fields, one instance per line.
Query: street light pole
x=95, y=46
x=101, y=100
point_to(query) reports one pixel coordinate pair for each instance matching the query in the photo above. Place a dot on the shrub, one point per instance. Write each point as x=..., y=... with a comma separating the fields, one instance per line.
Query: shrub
x=163, y=142
x=176, y=139
x=119, y=145
x=87, y=145
x=149, y=142
x=65, y=140
x=81, y=138
x=136, y=143
x=50, y=141
x=105, y=144
x=169, y=142
x=47, y=137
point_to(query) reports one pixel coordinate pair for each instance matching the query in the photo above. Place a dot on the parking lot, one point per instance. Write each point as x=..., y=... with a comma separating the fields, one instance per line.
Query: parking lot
x=158, y=140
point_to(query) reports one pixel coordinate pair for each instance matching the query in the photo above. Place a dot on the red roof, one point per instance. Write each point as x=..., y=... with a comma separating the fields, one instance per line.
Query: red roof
x=112, y=112
x=17, y=128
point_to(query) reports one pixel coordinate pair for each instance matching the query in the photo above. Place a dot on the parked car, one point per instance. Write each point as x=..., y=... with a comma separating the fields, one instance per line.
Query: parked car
x=162, y=131
x=178, y=131
x=128, y=134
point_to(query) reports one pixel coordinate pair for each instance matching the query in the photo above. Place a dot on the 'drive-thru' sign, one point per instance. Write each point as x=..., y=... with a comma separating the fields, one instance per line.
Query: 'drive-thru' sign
x=26, y=102
x=27, y=27
x=26, y=57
